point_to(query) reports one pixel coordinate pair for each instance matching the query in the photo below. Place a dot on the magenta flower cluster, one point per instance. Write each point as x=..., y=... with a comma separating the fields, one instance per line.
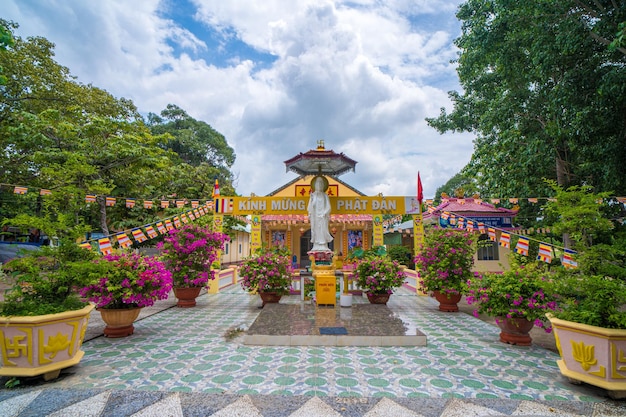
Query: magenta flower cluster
x=128, y=280
x=379, y=275
x=445, y=260
x=267, y=272
x=518, y=293
x=189, y=253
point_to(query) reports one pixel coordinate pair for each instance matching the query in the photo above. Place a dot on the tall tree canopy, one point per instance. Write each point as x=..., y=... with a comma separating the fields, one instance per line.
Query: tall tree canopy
x=202, y=153
x=544, y=89
x=77, y=139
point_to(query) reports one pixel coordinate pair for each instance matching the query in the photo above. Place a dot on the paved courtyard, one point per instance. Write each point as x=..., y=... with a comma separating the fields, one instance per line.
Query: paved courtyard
x=194, y=362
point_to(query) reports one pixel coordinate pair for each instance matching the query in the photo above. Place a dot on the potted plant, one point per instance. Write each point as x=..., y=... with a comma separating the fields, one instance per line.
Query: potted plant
x=268, y=273
x=122, y=284
x=444, y=264
x=378, y=276
x=42, y=319
x=590, y=325
x=518, y=299
x=189, y=253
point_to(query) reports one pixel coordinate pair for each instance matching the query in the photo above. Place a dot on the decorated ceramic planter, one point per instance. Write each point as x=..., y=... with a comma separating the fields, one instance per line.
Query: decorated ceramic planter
x=42, y=345
x=593, y=355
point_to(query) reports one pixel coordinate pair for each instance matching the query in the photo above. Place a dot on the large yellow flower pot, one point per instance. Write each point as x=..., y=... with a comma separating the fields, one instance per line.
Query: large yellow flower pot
x=591, y=354
x=42, y=345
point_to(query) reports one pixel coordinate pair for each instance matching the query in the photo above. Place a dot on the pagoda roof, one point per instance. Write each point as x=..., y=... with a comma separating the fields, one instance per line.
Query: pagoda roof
x=472, y=207
x=298, y=179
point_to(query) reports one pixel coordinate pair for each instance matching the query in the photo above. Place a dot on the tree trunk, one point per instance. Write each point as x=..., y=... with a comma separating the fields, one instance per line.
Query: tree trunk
x=103, y=215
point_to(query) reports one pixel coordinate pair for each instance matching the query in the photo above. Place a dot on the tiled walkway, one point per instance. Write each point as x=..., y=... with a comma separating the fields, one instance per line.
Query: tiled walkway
x=179, y=359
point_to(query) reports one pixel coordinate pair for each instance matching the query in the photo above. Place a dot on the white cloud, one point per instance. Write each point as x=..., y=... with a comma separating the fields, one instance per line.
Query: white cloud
x=361, y=75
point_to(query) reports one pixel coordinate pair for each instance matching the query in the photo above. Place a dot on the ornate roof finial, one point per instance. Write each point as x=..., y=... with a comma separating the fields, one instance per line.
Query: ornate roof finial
x=320, y=145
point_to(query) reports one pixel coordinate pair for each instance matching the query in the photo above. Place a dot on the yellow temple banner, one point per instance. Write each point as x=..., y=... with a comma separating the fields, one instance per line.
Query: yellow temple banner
x=340, y=205
x=255, y=233
x=377, y=232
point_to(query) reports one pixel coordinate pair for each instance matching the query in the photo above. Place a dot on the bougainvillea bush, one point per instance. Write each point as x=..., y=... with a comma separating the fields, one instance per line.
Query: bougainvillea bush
x=189, y=253
x=127, y=281
x=445, y=260
x=266, y=272
x=379, y=275
x=522, y=292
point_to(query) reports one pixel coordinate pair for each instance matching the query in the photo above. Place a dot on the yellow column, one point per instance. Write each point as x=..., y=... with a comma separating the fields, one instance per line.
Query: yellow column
x=377, y=232
x=418, y=241
x=214, y=284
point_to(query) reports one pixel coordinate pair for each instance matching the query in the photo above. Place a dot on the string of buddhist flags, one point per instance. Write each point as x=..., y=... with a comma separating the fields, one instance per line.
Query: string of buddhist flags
x=123, y=238
x=180, y=202
x=546, y=250
x=130, y=202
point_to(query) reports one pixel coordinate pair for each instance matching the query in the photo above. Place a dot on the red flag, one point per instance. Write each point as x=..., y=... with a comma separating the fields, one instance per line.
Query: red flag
x=420, y=190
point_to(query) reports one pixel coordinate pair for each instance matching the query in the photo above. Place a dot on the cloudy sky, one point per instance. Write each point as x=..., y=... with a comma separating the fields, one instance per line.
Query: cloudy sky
x=275, y=76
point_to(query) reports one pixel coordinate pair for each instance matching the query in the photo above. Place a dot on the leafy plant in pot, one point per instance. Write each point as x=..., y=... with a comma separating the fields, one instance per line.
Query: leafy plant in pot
x=267, y=273
x=518, y=298
x=590, y=325
x=189, y=253
x=445, y=264
x=42, y=312
x=122, y=284
x=378, y=277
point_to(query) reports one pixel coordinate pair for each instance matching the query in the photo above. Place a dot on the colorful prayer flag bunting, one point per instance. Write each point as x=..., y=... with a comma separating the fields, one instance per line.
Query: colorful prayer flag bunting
x=177, y=222
x=44, y=191
x=85, y=245
x=147, y=204
x=90, y=198
x=522, y=246
x=165, y=203
x=495, y=201
x=481, y=228
x=191, y=215
x=110, y=201
x=138, y=235
x=162, y=229
x=197, y=213
x=180, y=203
x=123, y=240
x=470, y=226
x=151, y=232
x=445, y=215
x=216, y=189
x=492, y=234
x=184, y=218
x=568, y=259
x=105, y=246
x=223, y=205
x=195, y=203
x=505, y=240
x=545, y=252
x=130, y=202
x=460, y=223
x=533, y=200
x=452, y=219
x=20, y=190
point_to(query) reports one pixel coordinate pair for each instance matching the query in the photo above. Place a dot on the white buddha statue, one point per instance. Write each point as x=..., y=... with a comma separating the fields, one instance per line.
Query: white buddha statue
x=319, y=216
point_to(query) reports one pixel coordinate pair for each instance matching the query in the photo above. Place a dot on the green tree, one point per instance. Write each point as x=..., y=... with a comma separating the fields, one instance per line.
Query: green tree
x=544, y=93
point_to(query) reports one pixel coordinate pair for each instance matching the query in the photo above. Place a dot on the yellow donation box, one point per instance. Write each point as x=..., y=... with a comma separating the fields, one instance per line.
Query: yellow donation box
x=325, y=287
